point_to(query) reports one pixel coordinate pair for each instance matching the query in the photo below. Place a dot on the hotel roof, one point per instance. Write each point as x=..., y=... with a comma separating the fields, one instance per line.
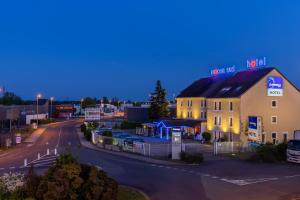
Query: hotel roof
x=225, y=86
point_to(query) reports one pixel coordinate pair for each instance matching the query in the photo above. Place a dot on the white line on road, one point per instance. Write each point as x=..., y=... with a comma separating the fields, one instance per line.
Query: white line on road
x=58, y=138
x=294, y=176
x=248, y=181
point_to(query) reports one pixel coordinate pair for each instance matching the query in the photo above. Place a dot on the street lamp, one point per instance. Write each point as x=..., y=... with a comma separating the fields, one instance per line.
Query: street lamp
x=38, y=96
x=51, y=107
x=81, y=102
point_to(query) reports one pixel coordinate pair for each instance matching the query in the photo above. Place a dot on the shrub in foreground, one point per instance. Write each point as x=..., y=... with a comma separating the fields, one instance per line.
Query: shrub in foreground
x=270, y=153
x=67, y=179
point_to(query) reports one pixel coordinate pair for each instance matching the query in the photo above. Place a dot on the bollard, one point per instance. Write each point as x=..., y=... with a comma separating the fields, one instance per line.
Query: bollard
x=25, y=162
x=39, y=156
x=48, y=152
x=55, y=151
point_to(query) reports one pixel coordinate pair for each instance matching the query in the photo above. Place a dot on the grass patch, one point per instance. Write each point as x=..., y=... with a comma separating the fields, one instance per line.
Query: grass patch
x=125, y=193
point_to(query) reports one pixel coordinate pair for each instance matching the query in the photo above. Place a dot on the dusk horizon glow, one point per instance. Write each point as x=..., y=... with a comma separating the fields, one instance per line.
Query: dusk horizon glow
x=76, y=49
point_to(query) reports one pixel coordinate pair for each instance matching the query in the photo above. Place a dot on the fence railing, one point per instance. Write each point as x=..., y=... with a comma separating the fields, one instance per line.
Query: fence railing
x=232, y=147
x=150, y=149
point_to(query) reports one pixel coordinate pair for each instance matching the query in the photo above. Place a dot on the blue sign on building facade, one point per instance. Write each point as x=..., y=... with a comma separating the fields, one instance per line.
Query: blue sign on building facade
x=275, y=86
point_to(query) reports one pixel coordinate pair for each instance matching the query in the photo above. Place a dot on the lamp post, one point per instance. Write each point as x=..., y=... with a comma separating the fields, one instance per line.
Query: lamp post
x=38, y=96
x=81, y=102
x=51, y=107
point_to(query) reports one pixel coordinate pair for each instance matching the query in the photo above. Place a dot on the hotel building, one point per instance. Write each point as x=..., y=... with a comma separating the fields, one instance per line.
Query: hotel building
x=259, y=105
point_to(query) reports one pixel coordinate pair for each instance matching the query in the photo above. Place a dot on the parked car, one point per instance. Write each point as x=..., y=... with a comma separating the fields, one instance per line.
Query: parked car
x=293, y=151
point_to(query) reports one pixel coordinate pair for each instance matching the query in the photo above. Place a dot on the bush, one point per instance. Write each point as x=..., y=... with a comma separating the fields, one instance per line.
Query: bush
x=107, y=134
x=270, y=153
x=88, y=135
x=68, y=179
x=195, y=158
x=83, y=128
x=206, y=136
x=129, y=125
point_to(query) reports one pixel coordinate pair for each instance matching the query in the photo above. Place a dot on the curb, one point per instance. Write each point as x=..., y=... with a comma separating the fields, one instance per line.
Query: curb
x=138, y=190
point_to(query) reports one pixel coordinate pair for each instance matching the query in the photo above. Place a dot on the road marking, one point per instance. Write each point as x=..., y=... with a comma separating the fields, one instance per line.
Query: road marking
x=294, y=176
x=58, y=138
x=12, y=168
x=248, y=181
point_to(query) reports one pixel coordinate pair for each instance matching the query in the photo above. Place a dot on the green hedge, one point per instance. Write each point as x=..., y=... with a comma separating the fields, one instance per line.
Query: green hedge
x=270, y=153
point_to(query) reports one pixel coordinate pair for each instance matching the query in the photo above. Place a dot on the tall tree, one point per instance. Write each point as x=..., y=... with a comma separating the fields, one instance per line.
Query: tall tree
x=158, y=103
x=10, y=98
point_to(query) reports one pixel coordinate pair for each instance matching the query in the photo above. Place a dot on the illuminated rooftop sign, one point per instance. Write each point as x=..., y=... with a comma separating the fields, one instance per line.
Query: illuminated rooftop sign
x=224, y=70
x=256, y=63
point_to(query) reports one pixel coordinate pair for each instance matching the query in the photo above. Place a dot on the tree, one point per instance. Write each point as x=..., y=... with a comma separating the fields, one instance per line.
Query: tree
x=105, y=100
x=10, y=98
x=158, y=103
x=88, y=101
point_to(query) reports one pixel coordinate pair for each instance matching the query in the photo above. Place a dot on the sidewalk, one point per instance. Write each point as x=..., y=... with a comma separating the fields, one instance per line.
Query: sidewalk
x=89, y=145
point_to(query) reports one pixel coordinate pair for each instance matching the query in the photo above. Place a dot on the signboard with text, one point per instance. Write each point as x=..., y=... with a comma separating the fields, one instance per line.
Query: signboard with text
x=275, y=86
x=223, y=70
x=92, y=114
x=254, y=128
x=256, y=63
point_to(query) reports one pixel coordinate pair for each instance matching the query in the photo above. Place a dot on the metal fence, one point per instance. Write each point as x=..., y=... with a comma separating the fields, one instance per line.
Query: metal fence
x=151, y=149
x=232, y=147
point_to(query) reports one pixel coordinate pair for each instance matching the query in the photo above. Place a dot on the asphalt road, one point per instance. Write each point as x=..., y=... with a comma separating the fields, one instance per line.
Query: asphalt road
x=215, y=179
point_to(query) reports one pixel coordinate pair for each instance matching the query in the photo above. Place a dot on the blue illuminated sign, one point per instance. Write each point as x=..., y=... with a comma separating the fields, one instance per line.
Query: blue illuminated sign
x=253, y=123
x=275, y=86
x=224, y=70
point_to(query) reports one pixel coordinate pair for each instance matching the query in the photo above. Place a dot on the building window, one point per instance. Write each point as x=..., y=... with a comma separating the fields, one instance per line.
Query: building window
x=274, y=104
x=263, y=138
x=205, y=115
x=285, y=137
x=274, y=119
x=220, y=121
x=181, y=103
x=205, y=103
x=230, y=121
x=220, y=105
x=215, y=122
x=202, y=103
x=191, y=103
x=216, y=107
x=274, y=138
x=231, y=106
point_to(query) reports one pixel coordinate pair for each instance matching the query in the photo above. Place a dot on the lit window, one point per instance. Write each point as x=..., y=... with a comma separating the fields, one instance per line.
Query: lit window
x=274, y=120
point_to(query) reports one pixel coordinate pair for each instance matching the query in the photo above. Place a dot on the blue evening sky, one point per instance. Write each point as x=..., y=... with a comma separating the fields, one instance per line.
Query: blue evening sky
x=75, y=48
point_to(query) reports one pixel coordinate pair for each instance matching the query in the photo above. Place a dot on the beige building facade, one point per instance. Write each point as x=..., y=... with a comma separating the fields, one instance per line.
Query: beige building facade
x=232, y=105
